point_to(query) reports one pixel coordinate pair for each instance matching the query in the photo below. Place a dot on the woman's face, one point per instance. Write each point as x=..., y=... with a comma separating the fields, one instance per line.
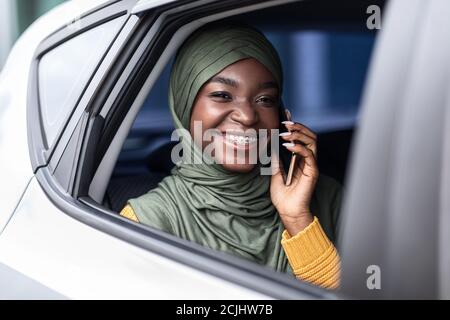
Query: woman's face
x=239, y=101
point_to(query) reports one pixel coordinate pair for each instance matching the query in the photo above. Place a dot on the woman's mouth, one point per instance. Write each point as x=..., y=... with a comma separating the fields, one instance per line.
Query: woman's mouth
x=237, y=147
x=240, y=139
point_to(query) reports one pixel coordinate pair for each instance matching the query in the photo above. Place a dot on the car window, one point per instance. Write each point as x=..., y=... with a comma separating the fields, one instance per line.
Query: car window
x=65, y=71
x=324, y=72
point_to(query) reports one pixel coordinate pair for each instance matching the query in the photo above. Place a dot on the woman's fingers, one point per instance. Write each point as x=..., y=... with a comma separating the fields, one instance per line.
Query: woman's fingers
x=297, y=136
x=295, y=126
x=305, y=153
x=301, y=140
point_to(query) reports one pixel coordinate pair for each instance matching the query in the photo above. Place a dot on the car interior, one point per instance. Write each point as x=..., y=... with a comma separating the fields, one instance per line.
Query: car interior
x=325, y=56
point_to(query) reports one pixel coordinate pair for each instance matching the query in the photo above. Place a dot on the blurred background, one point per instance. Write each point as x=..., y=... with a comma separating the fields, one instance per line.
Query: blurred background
x=15, y=17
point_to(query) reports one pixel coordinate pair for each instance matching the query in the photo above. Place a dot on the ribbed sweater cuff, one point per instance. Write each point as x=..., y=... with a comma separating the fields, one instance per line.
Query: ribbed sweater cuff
x=306, y=246
x=312, y=256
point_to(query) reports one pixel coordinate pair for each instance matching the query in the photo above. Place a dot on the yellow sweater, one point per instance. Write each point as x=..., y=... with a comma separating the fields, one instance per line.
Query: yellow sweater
x=311, y=254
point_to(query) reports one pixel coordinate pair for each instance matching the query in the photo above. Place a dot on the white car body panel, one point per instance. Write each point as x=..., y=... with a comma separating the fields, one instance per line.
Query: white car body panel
x=142, y=5
x=15, y=166
x=80, y=262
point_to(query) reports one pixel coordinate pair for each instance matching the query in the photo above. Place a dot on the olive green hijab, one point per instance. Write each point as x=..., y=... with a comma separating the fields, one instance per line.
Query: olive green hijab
x=204, y=203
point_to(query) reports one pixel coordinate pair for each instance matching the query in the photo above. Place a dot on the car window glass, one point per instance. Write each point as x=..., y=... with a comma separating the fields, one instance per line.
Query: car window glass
x=65, y=71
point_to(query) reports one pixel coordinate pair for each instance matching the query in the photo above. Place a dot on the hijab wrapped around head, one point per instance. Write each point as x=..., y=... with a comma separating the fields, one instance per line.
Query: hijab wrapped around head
x=205, y=203
x=209, y=51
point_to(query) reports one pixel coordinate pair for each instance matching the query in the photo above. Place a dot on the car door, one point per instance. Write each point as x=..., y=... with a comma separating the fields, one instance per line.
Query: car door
x=396, y=217
x=60, y=244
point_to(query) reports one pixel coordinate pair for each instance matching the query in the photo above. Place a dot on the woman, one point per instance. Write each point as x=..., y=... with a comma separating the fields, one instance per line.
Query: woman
x=229, y=78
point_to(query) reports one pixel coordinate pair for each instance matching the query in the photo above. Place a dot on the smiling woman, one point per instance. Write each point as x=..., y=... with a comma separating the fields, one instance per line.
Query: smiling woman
x=229, y=78
x=239, y=101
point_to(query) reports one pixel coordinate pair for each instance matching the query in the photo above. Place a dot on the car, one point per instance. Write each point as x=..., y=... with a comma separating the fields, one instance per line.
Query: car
x=84, y=126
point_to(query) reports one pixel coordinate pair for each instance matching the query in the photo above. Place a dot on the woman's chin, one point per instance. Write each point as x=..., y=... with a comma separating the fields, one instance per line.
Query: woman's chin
x=241, y=168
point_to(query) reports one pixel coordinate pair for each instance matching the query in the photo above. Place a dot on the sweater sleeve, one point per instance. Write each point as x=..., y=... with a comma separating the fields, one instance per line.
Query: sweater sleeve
x=312, y=256
x=128, y=212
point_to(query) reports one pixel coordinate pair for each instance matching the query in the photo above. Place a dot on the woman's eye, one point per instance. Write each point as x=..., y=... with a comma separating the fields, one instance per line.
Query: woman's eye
x=266, y=100
x=220, y=95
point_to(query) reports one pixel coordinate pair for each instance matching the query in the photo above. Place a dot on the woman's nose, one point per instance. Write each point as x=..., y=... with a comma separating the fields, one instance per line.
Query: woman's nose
x=245, y=113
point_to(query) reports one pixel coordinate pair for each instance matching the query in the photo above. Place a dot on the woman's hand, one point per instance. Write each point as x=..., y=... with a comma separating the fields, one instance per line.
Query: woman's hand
x=292, y=202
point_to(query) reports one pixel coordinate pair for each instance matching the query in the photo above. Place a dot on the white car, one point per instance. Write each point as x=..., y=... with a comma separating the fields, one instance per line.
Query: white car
x=75, y=83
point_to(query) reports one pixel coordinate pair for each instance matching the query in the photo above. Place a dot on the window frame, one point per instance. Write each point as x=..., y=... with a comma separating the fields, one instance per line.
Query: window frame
x=40, y=152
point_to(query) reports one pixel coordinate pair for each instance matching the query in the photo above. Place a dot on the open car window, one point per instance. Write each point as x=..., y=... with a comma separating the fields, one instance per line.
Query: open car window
x=324, y=73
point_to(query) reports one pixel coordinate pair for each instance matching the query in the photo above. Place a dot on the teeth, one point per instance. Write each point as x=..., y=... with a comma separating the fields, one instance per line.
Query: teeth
x=242, y=140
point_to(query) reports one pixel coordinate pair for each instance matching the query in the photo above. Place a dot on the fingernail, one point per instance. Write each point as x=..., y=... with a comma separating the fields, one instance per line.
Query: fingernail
x=283, y=134
x=288, y=144
x=287, y=122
